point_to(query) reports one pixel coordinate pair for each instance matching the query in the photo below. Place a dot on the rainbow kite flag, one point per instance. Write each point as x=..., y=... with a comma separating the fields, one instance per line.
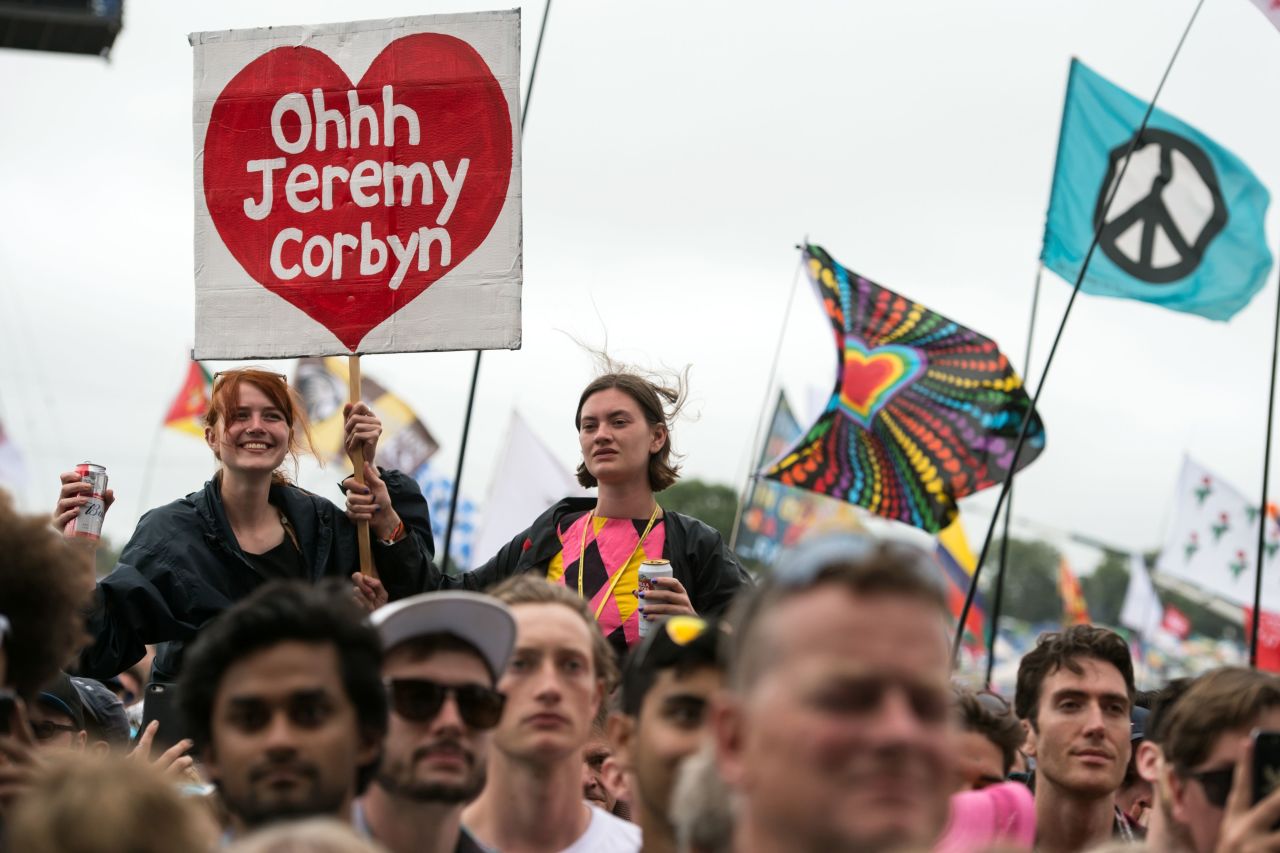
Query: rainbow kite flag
x=186, y=414
x=924, y=411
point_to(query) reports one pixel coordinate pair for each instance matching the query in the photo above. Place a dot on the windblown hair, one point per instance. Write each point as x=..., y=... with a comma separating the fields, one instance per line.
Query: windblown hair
x=660, y=401
x=226, y=396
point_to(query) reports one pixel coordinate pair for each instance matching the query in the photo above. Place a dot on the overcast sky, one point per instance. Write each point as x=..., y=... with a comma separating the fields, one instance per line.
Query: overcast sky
x=675, y=153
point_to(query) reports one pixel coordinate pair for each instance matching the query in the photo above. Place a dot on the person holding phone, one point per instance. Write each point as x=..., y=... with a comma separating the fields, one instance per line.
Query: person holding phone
x=192, y=559
x=1210, y=772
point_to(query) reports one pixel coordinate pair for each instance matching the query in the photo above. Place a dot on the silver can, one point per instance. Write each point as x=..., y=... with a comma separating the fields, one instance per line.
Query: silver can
x=649, y=570
x=89, y=522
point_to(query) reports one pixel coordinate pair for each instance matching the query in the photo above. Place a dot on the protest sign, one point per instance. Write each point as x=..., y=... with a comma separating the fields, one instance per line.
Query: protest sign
x=357, y=187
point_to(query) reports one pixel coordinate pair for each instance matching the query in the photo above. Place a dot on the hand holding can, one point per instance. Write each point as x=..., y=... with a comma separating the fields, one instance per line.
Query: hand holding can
x=650, y=571
x=83, y=502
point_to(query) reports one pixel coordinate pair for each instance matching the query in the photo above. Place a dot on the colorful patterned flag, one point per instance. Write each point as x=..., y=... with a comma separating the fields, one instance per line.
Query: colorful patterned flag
x=775, y=516
x=186, y=414
x=958, y=562
x=924, y=411
x=1074, y=609
x=406, y=443
x=1185, y=227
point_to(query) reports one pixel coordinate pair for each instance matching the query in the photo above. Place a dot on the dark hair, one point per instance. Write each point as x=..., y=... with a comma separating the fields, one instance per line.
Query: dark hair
x=1000, y=727
x=881, y=568
x=531, y=589
x=649, y=396
x=280, y=612
x=1218, y=701
x=44, y=585
x=1162, y=703
x=1063, y=650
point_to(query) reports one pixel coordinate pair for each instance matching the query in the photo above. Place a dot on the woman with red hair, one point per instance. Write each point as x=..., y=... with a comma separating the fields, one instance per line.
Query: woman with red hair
x=191, y=559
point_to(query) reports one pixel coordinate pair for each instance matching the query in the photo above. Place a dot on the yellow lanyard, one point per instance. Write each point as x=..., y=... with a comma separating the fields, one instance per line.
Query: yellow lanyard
x=617, y=576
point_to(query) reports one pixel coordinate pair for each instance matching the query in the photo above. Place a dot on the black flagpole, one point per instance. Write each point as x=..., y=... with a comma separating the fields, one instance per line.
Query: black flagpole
x=475, y=367
x=1262, y=511
x=998, y=599
x=1057, y=338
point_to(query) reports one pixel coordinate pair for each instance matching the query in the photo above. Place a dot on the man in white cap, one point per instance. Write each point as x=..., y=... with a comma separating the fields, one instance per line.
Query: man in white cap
x=445, y=652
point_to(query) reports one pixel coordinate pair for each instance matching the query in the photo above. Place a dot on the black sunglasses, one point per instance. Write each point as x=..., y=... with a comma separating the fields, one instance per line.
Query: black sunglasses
x=46, y=729
x=419, y=701
x=1216, y=784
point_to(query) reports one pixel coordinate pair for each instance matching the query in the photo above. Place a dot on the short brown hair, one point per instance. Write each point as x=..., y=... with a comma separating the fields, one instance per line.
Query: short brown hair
x=45, y=581
x=531, y=589
x=1219, y=701
x=649, y=396
x=1000, y=727
x=1063, y=650
x=80, y=803
x=861, y=565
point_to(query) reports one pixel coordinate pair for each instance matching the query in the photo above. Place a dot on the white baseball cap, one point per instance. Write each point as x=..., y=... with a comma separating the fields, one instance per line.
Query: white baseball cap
x=480, y=620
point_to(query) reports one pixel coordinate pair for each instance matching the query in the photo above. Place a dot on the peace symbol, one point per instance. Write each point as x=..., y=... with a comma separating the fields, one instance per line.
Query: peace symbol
x=1166, y=211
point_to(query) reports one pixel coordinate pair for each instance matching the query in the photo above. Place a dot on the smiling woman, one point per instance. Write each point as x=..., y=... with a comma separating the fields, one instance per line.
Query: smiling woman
x=192, y=559
x=597, y=546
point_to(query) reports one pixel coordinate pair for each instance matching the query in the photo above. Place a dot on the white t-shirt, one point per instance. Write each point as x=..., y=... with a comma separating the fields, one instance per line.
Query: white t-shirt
x=606, y=834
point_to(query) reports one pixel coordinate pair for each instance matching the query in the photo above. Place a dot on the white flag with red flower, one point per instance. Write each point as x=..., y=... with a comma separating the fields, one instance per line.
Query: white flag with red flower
x=357, y=187
x=1212, y=541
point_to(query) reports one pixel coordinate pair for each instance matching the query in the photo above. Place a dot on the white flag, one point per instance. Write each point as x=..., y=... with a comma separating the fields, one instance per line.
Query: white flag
x=13, y=472
x=527, y=480
x=1142, y=610
x=1270, y=8
x=1213, y=539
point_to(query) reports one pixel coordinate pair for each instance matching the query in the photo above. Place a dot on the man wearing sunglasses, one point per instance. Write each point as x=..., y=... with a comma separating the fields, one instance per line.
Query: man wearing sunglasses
x=1204, y=786
x=444, y=654
x=835, y=729
x=667, y=685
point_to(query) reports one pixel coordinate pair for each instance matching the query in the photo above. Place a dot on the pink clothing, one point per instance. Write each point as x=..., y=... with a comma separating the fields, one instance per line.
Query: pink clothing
x=1003, y=814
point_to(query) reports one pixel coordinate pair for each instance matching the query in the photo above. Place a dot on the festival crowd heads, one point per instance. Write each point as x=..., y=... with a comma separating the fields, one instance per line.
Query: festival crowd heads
x=612, y=680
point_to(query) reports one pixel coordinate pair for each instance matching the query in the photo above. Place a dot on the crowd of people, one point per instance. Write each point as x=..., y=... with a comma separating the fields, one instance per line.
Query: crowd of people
x=235, y=682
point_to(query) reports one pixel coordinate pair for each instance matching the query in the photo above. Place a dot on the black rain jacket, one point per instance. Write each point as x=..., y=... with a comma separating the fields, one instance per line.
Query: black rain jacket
x=183, y=567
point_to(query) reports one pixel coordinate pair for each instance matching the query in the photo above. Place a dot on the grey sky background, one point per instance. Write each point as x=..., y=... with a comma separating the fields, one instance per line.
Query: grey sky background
x=675, y=153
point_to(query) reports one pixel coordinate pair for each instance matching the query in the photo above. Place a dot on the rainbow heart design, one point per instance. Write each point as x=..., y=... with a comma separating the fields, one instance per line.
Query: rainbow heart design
x=872, y=376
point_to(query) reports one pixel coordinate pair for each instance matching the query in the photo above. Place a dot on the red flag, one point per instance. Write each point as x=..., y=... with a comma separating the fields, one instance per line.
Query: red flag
x=188, y=408
x=1074, y=609
x=1268, y=638
x=1176, y=622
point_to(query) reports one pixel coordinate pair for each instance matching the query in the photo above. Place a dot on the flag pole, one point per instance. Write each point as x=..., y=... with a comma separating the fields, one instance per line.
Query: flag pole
x=998, y=599
x=475, y=367
x=1262, y=511
x=757, y=445
x=1057, y=339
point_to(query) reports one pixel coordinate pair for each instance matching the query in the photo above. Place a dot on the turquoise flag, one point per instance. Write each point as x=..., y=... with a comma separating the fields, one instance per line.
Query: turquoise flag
x=1186, y=227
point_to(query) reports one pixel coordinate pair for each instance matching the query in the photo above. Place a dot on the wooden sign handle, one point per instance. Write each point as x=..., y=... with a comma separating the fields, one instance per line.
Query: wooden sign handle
x=362, y=527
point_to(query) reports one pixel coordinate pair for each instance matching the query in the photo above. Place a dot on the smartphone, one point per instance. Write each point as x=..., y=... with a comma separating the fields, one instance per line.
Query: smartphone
x=8, y=710
x=1266, y=763
x=160, y=702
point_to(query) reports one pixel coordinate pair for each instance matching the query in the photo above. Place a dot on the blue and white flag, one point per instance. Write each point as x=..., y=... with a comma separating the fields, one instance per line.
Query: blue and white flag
x=1185, y=229
x=437, y=488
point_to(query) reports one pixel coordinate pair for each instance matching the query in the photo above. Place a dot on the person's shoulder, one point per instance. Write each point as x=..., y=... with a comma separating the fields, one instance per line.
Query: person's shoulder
x=607, y=834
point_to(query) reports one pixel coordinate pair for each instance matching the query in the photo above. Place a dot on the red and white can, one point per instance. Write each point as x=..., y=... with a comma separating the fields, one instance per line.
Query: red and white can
x=89, y=522
x=649, y=570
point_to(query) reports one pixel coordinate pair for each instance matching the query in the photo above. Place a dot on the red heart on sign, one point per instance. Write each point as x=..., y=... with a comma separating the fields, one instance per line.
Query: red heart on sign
x=462, y=117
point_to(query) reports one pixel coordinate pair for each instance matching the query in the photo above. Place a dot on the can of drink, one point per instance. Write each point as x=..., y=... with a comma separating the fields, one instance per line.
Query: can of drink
x=89, y=522
x=649, y=570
